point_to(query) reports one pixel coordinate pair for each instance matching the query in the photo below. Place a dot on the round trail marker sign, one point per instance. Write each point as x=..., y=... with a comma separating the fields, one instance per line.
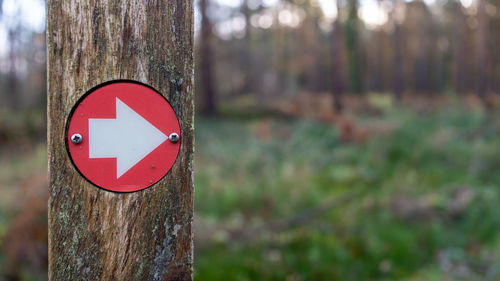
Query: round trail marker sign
x=123, y=136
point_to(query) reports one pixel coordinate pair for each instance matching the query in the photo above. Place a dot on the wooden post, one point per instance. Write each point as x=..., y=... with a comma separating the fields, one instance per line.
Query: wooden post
x=96, y=234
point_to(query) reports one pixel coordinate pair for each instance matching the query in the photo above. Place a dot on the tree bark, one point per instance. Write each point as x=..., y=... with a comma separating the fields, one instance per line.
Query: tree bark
x=95, y=234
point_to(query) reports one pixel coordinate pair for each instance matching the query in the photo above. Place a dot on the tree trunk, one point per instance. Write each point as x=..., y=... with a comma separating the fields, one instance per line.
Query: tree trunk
x=95, y=234
x=397, y=61
x=353, y=47
x=248, y=85
x=206, y=57
x=337, y=64
x=12, y=89
x=459, y=28
x=482, y=50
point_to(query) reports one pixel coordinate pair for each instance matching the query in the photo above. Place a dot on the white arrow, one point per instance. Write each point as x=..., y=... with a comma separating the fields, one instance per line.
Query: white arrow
x=128, y=138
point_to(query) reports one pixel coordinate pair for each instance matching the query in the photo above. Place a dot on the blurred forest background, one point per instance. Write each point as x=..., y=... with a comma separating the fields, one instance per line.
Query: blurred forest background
x=335, y=140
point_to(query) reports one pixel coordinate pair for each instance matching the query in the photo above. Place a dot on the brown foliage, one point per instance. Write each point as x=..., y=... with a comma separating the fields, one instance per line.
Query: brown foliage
x=320, y=107
x=25, y=244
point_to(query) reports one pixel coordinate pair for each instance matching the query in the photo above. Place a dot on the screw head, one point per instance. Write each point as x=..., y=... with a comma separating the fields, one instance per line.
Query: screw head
x=173, y=137
x=76, y=138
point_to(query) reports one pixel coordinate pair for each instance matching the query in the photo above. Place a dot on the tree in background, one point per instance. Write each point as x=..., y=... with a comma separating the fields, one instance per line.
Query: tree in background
x=397, y=61
x=337, y=61
x=310, y=47
x=482, y=50
x=247, y=55
x=493, y=47
x=206, y=58
x=352, y=27
x=278, y=52
x=287, y=47
x=22, y=66
x=421, y=47
x=459, y=46
x=12, y=89
x=247, y=51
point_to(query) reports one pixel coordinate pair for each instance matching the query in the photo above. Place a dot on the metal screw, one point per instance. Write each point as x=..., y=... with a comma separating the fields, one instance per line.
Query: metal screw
x=76, y=138
x=173, y=137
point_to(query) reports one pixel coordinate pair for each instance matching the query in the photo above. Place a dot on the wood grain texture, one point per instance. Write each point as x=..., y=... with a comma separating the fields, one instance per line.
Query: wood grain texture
x=95, y=234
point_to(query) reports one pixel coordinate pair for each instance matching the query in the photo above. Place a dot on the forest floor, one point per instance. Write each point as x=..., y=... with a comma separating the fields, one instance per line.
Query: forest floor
x=401, y=194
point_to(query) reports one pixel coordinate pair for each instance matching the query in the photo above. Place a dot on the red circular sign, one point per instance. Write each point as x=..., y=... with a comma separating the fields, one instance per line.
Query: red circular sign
x=123, y=136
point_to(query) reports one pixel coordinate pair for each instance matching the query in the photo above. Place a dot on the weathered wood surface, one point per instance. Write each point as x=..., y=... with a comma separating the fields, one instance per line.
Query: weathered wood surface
x=95, y=234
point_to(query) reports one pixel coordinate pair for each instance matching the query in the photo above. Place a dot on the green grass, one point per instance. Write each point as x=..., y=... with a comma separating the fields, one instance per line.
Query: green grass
x=404, y=223
x=14, y=169
x=423, y=198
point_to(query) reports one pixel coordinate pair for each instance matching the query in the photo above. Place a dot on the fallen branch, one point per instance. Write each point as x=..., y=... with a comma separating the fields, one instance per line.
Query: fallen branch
x=288, y=223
